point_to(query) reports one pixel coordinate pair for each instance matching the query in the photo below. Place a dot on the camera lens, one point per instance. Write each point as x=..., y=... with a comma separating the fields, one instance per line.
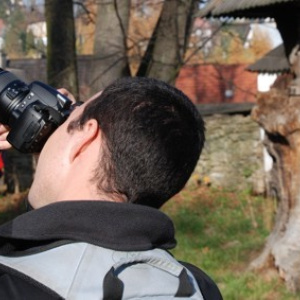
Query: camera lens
x=12, y=91
x=32, y=112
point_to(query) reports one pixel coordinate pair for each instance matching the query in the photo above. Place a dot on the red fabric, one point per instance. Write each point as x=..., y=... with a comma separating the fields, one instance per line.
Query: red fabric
x=1, y=162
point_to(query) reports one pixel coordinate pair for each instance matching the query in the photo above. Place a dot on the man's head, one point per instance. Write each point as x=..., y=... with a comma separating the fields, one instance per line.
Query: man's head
x=151, y=138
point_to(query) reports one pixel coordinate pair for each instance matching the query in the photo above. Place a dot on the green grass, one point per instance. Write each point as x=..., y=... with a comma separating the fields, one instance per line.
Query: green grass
x=222, y=232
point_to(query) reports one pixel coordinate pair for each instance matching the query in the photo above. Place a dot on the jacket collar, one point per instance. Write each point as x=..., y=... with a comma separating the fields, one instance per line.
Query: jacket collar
x=118, y=226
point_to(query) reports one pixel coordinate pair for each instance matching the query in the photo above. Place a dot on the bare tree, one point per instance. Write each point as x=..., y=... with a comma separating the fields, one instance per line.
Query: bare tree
x=165, y=51
x=110, y=49
x=167, y=46
x=61, y=54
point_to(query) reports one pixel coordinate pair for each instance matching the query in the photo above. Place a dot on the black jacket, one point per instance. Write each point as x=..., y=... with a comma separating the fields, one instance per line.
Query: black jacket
x=117, y=226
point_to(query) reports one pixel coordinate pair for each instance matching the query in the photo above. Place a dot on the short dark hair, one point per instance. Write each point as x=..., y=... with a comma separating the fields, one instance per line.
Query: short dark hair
x=153, y=134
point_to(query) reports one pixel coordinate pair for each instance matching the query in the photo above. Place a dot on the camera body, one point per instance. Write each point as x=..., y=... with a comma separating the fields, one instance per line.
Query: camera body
x=31, y=111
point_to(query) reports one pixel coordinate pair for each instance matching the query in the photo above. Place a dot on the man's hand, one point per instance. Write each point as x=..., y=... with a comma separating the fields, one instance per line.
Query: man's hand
x=4, y=144
x=66, y=93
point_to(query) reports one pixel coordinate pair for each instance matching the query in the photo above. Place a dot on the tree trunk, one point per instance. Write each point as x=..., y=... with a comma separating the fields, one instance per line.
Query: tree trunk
x=110, y=49
x=61, y=53
x=165, y=52
x=278, y=113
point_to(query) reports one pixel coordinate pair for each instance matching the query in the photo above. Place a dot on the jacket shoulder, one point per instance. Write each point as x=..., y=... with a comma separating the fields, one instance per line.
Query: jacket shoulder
x=207, y=286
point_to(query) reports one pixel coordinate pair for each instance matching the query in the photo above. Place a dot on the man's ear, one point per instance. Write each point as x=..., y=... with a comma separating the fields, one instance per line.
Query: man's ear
x=84, y=137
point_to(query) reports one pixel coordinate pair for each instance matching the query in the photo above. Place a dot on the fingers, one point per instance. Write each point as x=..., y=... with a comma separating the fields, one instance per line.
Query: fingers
x=68, y=94
x=4, y=144
x=95, y=96
x=3, y=129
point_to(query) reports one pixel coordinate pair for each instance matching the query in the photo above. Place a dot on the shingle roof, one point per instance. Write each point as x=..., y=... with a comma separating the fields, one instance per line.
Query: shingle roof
x=240, y=8
x=273, y=62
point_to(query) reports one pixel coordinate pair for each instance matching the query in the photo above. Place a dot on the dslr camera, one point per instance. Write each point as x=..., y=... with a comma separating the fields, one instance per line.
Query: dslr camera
x=31, y=111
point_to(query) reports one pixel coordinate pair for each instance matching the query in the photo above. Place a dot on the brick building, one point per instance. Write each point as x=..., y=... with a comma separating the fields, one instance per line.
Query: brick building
x=214, y=83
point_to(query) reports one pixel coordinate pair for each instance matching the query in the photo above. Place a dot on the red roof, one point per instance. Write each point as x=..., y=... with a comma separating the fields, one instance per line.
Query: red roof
x=212, y=83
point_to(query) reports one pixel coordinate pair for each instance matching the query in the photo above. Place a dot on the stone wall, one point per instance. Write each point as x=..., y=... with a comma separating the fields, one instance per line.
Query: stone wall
x=35, y=69
x=233, y=154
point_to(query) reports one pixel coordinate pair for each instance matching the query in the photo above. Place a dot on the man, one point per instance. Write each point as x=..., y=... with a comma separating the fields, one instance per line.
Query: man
x=99, y=180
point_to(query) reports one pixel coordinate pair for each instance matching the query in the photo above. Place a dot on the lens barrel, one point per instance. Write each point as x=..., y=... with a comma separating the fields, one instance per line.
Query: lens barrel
x=12, y=91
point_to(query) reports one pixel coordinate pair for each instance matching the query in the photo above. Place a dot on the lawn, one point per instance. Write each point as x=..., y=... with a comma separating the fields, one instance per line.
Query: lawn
x=221, y=232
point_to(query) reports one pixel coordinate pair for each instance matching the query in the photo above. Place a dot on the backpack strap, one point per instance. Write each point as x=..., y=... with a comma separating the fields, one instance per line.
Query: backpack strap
x=207, y=286
x=78, y=271
x=113, y=286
